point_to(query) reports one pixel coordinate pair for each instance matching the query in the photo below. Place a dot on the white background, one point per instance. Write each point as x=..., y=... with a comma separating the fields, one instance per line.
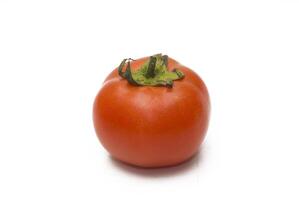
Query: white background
x=55, y=54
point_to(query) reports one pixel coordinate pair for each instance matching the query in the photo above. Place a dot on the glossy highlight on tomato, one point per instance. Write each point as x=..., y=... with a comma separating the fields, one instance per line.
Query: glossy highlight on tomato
x=152, y=112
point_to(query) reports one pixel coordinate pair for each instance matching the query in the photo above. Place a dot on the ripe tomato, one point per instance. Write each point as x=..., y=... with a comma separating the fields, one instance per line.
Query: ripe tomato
x=154, y=113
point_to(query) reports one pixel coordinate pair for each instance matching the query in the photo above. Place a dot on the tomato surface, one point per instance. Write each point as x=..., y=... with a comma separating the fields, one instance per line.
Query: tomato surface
x=152, y=126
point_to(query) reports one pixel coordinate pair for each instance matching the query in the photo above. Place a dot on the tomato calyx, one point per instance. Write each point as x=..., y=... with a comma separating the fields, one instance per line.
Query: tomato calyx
x=153, y=72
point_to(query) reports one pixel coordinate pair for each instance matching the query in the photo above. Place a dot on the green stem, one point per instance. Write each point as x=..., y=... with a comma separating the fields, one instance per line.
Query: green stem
x=154, y=72
x=151, y=67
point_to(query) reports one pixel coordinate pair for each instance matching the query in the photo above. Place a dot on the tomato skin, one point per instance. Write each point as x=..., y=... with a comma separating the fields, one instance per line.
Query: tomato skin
x=152, y=126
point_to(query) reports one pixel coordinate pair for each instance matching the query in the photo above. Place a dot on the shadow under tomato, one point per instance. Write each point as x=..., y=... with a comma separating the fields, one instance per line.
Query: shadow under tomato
x=184, y=167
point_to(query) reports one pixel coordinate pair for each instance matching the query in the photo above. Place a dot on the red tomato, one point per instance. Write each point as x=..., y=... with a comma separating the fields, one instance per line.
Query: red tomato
x=154, y=113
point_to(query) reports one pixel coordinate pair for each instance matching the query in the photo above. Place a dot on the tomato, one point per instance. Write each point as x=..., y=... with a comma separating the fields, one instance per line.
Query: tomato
x=152, y=112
